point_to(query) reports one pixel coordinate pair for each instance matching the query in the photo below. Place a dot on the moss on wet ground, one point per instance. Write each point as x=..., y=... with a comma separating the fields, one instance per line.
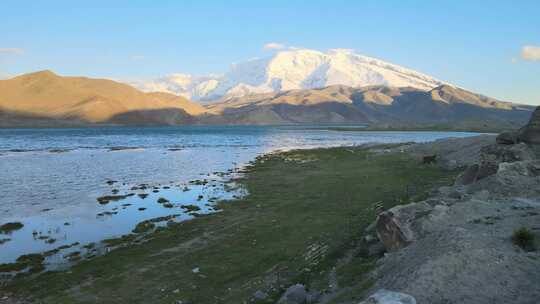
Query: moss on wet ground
x=10, y=227
x=297, y=222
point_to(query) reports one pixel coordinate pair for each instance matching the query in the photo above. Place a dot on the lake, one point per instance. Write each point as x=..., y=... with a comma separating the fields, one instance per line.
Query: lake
x=51, y=178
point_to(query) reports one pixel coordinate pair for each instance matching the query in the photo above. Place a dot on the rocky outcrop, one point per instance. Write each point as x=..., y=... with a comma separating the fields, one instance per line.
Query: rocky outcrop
x=530, y=134
x=456, y=247
x=490, y=158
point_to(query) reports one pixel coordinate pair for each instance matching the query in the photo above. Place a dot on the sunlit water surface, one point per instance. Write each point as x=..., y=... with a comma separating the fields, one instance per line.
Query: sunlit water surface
x=51, y=178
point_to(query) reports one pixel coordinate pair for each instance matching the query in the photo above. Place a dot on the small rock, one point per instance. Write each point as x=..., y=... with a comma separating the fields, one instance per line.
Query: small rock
x=507, y=138
x=368, y=239
x=389, y=297
x=295, y=294
x=468, y=176
x=260, y=295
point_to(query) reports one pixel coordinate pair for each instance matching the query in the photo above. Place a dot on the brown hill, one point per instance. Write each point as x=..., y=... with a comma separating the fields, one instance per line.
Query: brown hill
x=46, y=99
x=374, y=105
x=46, y=95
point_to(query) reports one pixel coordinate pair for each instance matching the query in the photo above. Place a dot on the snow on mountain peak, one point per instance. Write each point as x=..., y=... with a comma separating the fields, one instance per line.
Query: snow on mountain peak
x=292, y=69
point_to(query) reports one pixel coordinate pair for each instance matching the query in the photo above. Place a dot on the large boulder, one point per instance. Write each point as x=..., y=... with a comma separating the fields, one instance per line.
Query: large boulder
x=384, y=296
x=530, y=133
x=395, y=227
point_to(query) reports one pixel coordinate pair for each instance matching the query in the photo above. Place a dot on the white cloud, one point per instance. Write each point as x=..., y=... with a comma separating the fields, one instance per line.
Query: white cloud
x=273, y=46
x=11, y=51
x=531, y=53
x=137, y=57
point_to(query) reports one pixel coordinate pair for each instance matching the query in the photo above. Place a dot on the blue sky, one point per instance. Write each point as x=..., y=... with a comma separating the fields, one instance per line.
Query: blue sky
x=474, y=44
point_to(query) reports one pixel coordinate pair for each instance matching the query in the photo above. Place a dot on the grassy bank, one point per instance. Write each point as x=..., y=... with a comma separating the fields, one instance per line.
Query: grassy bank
x=301, y=222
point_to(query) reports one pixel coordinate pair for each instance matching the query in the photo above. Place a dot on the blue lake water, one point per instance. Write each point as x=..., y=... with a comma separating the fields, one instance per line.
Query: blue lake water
x=50, y=178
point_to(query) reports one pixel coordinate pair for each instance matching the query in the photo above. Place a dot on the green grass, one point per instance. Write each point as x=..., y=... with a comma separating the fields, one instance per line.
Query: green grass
x=524, y=238
x=10, y=227
x=299, y=219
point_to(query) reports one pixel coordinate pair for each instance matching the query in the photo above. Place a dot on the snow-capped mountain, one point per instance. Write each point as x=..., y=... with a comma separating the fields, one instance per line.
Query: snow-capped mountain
x=292, y=69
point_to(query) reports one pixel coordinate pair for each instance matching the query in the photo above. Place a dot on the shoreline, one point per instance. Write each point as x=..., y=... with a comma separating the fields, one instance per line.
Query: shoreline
x=254, y=215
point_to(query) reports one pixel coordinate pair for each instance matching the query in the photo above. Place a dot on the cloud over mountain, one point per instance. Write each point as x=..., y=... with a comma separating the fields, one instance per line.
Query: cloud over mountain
x=273, y=46
x=531, y=53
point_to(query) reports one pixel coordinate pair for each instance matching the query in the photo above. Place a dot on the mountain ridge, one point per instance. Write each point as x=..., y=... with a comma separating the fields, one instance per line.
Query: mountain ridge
x=371, y=105
x=47, y=99
x=292, y=69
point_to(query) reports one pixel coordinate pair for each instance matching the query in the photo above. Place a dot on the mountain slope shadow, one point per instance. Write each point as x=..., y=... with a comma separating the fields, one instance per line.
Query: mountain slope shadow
x=165, y=116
